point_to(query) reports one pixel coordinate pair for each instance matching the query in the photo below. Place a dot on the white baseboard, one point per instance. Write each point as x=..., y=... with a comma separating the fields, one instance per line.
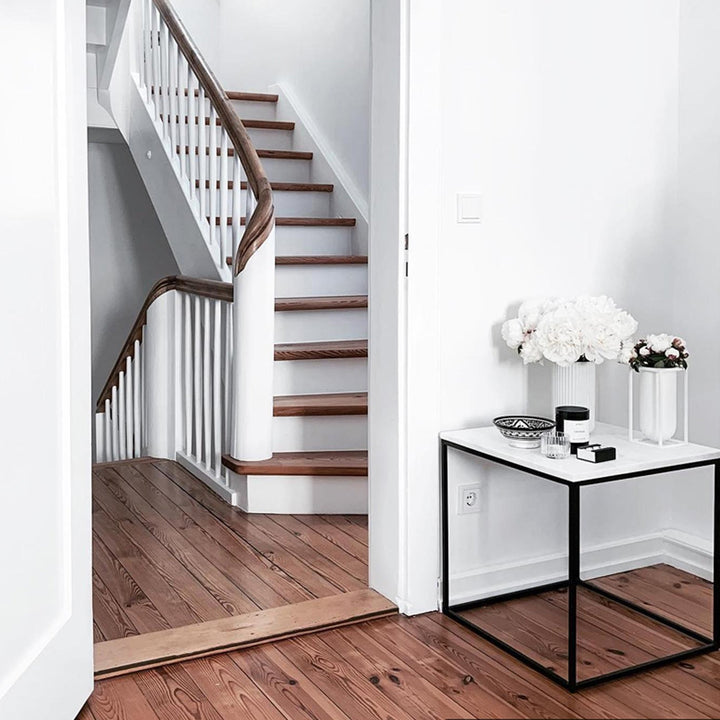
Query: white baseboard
x=347, y=199
x=215, y=484
x=673, y=547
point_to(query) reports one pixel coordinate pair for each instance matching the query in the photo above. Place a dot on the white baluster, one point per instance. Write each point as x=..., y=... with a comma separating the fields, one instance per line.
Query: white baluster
x=187, y=370
x=192, y=132
x=236, y=204
x=115, y=424
x=137, y=434
x=216, y=380
x=156, y=64
x=224, y=210
x=129, y=412
x=207, y=396
x=174, y=90
x=213, y=165
x=165, y=58
x=201, y=159
x=197, y=379
x=183, y=116
x=121, y=416
x=227, y=438
x=143, y=57
x=108, y=433
x=143, y=392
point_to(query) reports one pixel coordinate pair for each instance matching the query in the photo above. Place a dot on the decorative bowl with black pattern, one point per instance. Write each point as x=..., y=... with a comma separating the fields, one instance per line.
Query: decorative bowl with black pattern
x=523, y=431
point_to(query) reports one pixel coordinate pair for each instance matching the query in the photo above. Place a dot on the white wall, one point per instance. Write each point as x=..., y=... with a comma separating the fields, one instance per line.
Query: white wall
x=128, y=251
x=696, y=265
x=320, y=51
x=569, y=130
x=565, y=116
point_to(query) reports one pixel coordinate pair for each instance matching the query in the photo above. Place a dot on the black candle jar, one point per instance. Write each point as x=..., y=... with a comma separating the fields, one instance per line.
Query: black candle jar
x=574, y=421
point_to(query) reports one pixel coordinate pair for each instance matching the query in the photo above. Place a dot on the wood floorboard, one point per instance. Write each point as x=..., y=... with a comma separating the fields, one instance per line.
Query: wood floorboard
x=394, y=668
x=276, y=587
x=168, y=552
x=348, y=525
x=302, y=569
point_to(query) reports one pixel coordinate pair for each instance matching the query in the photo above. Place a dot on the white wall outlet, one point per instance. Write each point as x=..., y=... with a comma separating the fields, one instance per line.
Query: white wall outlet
x=469, y=499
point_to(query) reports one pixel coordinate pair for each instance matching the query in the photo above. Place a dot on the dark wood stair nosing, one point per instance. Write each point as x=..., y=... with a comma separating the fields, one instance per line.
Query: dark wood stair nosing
x=252, y=123
x=300, y=221
x=232, y=95
x=321, y=404
x=332, y=350
x=338, y=463
x=262, y=153
x=328, y=302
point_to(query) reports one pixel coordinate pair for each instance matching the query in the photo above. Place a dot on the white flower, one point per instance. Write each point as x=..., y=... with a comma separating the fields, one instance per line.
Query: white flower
x=530, y=312
x=624, y=325
x=644, y=350
x=627, y=353
x=530, y=351
x=513, y=333
x=559, y=335
x=659, y=343
x=672, y=353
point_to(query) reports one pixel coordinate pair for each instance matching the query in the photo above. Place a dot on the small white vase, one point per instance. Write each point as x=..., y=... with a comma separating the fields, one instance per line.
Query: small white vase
x=575, y=385
x=658, y=403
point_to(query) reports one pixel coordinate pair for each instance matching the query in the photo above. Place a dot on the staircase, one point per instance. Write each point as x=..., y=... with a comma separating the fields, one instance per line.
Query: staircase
x=318, y=461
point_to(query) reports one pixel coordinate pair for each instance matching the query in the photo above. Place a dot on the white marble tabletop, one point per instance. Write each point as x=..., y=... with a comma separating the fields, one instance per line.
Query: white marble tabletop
x=632, y=457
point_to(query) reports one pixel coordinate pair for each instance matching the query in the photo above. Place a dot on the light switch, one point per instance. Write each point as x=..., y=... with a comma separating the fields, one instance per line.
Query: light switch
x=469, y=208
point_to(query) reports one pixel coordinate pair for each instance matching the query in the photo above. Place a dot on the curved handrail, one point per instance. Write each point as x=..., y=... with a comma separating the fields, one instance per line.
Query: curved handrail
x=260, y=223
x=212, y=289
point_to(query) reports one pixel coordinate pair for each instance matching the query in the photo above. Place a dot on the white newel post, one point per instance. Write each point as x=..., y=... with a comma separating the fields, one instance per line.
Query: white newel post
x=253, y=355
x=159, y=351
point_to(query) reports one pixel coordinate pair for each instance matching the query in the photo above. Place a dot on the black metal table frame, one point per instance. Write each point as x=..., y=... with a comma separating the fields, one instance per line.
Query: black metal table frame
x=574, y=580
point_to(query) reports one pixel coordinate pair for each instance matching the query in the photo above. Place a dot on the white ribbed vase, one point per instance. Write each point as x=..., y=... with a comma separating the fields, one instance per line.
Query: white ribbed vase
x=575, y=385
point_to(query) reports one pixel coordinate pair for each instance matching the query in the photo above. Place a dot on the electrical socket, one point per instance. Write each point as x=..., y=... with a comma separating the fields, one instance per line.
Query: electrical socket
x=469, y=499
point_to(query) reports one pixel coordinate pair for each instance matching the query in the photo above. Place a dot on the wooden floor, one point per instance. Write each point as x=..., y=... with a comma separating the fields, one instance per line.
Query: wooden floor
x=168, y=552
x=426, y=667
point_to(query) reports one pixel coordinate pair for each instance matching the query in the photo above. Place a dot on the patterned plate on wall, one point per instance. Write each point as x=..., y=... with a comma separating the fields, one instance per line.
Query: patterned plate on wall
x=523, y=431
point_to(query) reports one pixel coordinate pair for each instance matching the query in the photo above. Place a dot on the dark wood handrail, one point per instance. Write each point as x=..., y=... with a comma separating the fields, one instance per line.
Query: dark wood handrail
x=260, y=223
x=194, y=286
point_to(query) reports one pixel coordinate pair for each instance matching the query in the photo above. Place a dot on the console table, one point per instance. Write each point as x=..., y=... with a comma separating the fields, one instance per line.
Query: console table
x=633, y=460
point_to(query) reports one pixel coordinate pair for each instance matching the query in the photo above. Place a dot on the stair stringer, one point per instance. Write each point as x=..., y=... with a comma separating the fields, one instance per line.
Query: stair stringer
x=188, y=233
x=347, y=199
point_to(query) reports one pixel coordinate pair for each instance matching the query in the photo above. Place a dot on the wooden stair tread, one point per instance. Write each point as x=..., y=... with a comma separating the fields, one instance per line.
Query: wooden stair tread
x=130, y=654
x=268, y=154
x=302, y=222
x=248, y=123
x=280, y=186
x=321, y=350
x=321, y=404
x=330, y=302
x=251, y=96
x=350, y=463
x=321, y=260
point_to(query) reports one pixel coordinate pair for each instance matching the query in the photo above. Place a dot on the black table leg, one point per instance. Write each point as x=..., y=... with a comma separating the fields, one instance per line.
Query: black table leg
x=573, y=580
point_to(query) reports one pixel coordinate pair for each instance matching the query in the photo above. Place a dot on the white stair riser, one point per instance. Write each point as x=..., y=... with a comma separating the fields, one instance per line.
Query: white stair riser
x=317, y=433
x=287, y=203
x=320, y=325
x=271, y=139
x=245, y=110
x=255, y=110
x=302, y=377
x=302, y=494
x=320, y=280
x=313, y=240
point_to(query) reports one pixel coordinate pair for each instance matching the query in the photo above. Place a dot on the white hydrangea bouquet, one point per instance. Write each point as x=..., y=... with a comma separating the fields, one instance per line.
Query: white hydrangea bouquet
x=585, y=329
